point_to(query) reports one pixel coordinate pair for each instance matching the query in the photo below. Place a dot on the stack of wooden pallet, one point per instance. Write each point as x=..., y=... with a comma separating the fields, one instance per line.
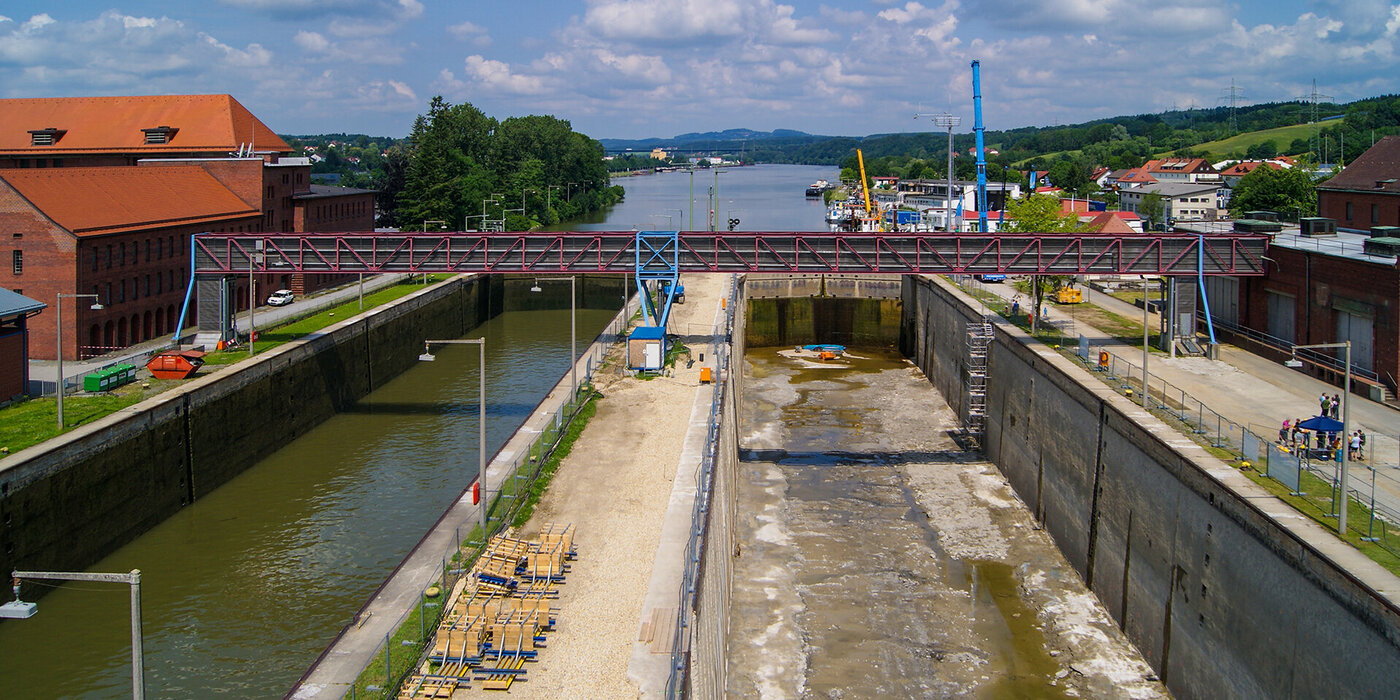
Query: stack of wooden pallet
x=498, y=615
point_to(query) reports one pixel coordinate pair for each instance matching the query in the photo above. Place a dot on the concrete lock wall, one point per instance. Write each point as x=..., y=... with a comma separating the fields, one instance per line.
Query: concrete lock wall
x=804, y=309
x=1222, y=599
x=68, y=502
x=708, y=673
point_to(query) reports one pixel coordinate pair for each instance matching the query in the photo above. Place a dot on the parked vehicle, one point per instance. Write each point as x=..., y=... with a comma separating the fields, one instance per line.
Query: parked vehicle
x=281, y=297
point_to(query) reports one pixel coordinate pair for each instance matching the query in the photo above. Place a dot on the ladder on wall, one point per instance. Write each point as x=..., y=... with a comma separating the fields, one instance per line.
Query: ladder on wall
x=979, y=337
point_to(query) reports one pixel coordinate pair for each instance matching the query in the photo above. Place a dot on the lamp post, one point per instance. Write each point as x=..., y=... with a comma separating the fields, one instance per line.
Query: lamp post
x=548, y=198
x=442, y=226
x=1295, y=363
x=944, y=120
x=19, y=609
x=58, y=322
x=428, y=356
x=573, y=329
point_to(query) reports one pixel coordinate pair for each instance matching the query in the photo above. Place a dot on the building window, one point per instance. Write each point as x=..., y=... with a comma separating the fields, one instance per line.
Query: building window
x=94, y=260
x=109, y=257
x=18, y=261
x=286, y=178
x=1349, y=211
x=122, y=262
x=148, y=285
x=159, y=135
x=1375, y=213
x=270, y=192
x=135, y=288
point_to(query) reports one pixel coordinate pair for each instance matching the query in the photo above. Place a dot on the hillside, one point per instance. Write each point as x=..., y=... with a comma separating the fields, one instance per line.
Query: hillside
x=1280, y=137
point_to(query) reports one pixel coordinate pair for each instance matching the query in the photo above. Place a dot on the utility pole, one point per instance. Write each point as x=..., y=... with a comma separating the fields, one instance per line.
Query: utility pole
x=1233, y=95
x=1314, y=97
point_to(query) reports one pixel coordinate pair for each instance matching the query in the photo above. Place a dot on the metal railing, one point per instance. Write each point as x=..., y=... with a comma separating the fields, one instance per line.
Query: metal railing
x=704, y=483
x=1316, y=357
x=1304, y=471
x=405, y=650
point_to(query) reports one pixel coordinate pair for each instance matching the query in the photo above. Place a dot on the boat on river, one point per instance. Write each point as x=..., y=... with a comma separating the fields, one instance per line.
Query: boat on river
x=818, y=188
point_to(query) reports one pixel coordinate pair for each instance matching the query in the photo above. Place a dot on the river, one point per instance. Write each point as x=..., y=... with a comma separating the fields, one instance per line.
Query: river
x=244, y=588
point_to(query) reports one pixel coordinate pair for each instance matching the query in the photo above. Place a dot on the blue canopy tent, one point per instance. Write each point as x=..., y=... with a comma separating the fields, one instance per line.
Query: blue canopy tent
x=1321, y=424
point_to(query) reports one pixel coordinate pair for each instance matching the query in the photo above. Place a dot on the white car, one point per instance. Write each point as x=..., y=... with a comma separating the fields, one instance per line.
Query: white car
x=281, y=297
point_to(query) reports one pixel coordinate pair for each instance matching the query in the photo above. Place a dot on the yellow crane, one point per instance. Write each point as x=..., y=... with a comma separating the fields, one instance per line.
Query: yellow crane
x=865, y=188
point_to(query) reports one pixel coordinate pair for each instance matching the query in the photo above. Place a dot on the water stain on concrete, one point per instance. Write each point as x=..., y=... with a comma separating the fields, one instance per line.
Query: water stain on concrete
x=880, y=560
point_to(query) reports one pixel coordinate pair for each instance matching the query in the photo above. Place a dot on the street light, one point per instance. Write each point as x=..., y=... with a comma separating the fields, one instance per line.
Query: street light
x=1295, y=363
x=428, y=356
x=19, y=609
x=58, y=320
x=549, y=190
x=944, y=120
x=573, y=329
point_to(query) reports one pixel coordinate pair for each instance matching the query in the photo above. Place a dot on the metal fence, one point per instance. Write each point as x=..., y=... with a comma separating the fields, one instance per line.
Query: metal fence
x=1309, y=474
x=676, y=683
x=406, y=649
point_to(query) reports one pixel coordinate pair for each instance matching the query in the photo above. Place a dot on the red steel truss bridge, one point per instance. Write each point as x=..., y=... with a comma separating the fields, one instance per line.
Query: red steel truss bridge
x=671, y=252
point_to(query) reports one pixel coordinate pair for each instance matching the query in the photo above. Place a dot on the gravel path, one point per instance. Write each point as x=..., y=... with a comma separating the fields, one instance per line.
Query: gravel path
x=614, y=487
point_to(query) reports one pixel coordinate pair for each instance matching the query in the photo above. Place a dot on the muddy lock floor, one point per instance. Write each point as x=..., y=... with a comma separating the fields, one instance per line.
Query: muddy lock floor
x=877, y=559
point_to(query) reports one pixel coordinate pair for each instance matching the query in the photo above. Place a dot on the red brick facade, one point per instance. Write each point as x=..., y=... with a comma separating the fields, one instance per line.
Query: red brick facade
x=139, y=266
x=1359, y=210
x=1322, y=287
x=138, y=276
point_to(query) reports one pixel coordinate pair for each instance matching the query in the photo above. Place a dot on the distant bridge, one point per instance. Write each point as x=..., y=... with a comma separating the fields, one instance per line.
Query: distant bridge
x=581, y=252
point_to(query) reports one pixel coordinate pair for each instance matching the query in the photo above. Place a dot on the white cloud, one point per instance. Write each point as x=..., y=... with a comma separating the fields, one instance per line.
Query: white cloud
x=1391, y=25
x=497, y=76
x=476, y=34
x=312, y=41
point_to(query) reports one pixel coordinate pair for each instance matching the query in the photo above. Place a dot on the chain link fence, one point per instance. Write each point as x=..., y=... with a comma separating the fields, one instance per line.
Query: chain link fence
x=706, y=526
x=1309, y=473
x=405, y=650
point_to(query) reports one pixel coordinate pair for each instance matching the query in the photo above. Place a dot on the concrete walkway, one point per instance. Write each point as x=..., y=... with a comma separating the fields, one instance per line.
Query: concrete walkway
x=332, y=675
x=1252, y=391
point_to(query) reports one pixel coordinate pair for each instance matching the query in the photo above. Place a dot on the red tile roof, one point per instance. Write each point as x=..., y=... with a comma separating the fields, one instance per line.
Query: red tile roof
x=1109, y=222
x=1247, y=167
x=1138, y=175
x=95, y=201
x=1377, y=170
x=1179, y=165
x=95, y=125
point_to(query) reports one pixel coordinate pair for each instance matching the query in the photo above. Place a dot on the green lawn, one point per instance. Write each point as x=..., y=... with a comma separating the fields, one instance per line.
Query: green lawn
x=280, y=335
x=1239, y=143
x=31, y=422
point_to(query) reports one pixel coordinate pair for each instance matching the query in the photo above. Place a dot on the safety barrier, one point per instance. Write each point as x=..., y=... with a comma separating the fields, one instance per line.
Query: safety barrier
x=405, y=649
x=1301, y=470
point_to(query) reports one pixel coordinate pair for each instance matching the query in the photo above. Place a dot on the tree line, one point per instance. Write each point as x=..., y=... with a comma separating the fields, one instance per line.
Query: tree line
x=460, y=168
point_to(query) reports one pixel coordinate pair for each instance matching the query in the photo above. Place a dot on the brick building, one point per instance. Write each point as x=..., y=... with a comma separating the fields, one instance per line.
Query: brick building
x=111, y=176
x=1318, y=289
x=121, y=233
x=1366, y=194
x=15, y=310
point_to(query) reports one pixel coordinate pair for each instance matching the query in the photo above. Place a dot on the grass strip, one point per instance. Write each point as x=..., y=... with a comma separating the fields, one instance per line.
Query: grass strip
x=551, y=465
x=32, y=421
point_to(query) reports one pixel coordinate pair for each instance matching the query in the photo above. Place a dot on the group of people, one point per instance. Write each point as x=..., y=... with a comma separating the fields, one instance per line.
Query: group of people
x=1293, y=436
x=1329, y=405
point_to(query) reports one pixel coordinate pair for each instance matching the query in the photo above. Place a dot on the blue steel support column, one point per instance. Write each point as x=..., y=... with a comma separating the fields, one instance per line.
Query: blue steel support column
x=981, y=148
x=657, y=258
x=1201, y=279
x=189, y=290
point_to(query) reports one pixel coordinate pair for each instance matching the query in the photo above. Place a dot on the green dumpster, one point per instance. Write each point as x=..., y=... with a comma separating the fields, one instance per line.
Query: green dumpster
x=109, y=378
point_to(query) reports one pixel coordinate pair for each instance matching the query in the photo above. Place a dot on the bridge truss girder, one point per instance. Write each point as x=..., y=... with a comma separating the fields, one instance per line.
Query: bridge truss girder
x=582, y=252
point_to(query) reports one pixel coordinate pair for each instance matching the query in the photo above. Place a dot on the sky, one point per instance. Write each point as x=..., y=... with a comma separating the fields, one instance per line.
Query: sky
x=658, y=68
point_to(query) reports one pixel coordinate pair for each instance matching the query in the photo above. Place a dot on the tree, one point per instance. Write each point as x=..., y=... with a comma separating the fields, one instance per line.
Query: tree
x=1285, y=190
x=1041, y=213
x=1151, y=208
